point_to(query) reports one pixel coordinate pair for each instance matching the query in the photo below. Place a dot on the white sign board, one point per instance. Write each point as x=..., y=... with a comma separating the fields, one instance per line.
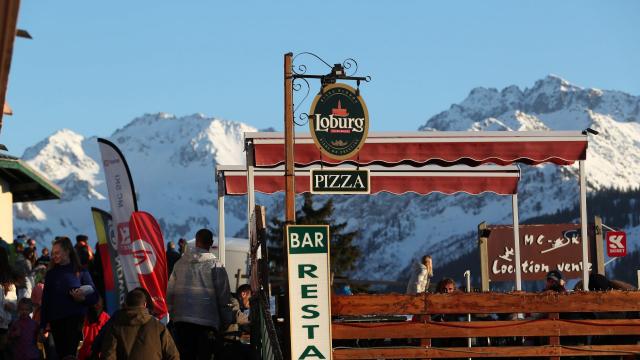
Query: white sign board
x=309, y=293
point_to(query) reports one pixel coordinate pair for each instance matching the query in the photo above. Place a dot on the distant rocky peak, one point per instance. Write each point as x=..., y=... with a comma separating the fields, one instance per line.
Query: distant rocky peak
x=552, y=84
x=552, y=99
x=63, y=140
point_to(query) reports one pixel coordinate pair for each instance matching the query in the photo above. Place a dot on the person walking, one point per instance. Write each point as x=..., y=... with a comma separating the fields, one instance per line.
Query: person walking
x=198, y=295
x=172, y=257
x=24, y=333
x=68, y=291
x=135, y=334
x=421, y=276
x=84, y=251
x=95, y=320
x=44, y=259
x=8, y=300
x=182, y=246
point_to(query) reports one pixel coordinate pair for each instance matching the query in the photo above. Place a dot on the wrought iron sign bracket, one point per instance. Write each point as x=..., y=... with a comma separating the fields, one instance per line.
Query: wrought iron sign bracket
x=338, y=72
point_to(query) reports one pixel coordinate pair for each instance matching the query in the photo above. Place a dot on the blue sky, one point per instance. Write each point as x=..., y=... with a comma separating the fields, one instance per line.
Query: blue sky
x=94, y=66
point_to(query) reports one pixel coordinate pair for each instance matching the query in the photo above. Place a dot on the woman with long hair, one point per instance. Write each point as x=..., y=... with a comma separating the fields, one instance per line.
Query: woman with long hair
x=421, y=276
x=67, y=294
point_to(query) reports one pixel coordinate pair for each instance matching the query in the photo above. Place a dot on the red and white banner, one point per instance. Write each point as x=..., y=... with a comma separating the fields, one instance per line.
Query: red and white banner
x=122, y=198
x=148, y=252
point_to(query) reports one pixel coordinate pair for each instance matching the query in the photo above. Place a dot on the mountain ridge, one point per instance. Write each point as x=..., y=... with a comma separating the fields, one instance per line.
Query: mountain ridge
x=172, y=160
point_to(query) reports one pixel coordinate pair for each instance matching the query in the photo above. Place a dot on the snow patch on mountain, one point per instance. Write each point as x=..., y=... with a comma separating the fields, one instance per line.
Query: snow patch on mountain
x=171, y=159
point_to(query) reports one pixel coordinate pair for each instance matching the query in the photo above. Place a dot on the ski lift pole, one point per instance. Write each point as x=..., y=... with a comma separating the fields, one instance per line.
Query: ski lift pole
x=467, y=275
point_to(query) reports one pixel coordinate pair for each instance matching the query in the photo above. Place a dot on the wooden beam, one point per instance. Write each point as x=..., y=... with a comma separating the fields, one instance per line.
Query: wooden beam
x=388, y=304
x=483, y=245
x=485, y=303
x=8, y=25
x=483, y=352
x=598, y=246
x=432, y=329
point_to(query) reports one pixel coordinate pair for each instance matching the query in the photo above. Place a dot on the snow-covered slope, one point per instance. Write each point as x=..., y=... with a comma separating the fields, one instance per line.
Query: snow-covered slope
x=172, y=161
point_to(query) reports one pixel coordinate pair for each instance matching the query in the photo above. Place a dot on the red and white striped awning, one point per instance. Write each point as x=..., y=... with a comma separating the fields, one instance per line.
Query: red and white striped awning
x=441, y=148
x=402, y=179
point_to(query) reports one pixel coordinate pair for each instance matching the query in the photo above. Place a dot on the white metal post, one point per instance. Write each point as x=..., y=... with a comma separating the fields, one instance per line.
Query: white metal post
x=467, y=275
x=251, y=199
x=221, y=234
x=516, y=240
x=583, y=226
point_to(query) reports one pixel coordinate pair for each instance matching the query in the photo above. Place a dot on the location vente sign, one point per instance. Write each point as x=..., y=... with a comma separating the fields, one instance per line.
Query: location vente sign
x=339, y=121
x=309, y=295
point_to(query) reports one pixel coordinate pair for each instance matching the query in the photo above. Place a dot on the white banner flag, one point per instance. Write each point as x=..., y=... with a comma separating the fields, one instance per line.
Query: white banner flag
x=122, y=198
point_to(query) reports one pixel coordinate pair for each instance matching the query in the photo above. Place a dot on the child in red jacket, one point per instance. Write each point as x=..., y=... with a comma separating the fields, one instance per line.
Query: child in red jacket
x=93, y=322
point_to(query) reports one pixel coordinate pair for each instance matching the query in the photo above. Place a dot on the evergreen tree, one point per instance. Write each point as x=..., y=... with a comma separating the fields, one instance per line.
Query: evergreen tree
x=343, y=253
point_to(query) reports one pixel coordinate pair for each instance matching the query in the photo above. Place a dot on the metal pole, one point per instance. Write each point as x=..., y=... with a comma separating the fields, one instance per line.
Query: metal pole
x=289, y=188
x=467, y=275
x=221, y=238
x=290, y=200
x=251, y=200
x=583, y=225
x=516, y=240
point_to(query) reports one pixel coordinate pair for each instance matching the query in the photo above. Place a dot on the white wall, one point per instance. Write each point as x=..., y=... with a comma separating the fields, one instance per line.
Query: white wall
x=6, y=212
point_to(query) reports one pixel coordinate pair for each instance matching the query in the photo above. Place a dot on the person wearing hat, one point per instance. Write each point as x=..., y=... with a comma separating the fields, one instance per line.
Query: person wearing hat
x=555, y=281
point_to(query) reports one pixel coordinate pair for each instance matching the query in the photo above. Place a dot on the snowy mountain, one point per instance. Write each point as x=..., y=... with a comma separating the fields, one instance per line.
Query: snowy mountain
x=172, y=161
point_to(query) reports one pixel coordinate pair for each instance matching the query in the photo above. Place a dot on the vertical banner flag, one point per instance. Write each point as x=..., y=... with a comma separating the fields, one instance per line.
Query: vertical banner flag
x=122, y=198
x=147, y=246
x=309, y=295
x=114, y=284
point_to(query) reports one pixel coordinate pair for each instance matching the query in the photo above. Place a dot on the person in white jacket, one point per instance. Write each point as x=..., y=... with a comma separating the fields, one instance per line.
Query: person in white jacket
x=198, y=298
x=421, y=276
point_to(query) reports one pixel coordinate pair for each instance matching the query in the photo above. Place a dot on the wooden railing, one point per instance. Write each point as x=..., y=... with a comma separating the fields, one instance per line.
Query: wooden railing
x=547, y=318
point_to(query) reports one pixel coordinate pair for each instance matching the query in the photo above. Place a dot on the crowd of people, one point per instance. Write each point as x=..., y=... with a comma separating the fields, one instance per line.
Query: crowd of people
x=51, y=306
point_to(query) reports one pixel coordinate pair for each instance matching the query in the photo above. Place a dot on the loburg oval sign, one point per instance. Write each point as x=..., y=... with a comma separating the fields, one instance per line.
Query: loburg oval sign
x=339, y=121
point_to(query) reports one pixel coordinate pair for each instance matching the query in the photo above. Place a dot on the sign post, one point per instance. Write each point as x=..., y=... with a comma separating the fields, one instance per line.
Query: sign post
x=309, y=293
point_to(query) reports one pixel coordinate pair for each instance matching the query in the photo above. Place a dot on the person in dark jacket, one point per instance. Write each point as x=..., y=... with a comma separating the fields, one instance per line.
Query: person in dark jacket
x=135, y=334
x=84, y=251
x=68, y=291
x=172, y=257
x=45, y=259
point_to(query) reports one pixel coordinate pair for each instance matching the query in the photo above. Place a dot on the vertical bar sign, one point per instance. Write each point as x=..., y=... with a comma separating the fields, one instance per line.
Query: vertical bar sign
x=309, y=295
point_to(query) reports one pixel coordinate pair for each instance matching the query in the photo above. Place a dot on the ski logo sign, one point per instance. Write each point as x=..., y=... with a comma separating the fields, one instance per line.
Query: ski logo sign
x=339, y=121
x=340, y=181
x=616, y=243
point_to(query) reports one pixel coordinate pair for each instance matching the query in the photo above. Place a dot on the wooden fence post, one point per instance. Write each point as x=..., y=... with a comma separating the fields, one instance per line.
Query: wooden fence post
x=484, y=255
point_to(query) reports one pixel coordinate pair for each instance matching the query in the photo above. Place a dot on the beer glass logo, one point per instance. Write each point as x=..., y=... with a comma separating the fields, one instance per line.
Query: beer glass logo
x=339, y=121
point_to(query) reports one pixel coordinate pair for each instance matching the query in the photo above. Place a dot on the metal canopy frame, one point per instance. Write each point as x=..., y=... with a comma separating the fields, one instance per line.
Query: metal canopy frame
x=445, y=148
x=484, y=174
